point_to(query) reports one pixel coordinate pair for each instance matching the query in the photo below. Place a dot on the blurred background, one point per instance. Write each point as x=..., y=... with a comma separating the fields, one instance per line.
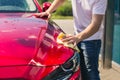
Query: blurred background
x=63, y=12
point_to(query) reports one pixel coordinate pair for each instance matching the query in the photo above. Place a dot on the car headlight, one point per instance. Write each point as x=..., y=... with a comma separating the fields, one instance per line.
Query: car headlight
x=65, y=71
x=72, y=64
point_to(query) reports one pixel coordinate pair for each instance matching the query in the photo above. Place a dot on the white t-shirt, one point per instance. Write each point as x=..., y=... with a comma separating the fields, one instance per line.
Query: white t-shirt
x=82, y=13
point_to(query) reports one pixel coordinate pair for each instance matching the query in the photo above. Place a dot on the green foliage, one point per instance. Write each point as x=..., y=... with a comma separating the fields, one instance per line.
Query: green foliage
x=64, y=10
x=42, y=1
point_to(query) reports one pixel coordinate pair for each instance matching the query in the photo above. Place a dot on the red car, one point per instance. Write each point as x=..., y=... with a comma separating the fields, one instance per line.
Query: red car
x=28, y=45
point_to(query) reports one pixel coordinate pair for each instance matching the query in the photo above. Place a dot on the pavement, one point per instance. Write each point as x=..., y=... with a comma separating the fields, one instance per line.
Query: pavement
x=109, y=74
x=105, y=74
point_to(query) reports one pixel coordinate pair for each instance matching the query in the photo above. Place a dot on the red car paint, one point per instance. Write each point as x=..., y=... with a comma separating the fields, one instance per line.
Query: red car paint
x=28, y=49
x=46, y=5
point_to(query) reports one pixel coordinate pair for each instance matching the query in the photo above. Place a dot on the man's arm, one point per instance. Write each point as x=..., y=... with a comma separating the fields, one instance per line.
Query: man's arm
x=55, y=4
x=92, y=28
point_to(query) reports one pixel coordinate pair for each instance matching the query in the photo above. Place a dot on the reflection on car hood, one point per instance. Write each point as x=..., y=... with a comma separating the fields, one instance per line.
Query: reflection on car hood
x=18, y=36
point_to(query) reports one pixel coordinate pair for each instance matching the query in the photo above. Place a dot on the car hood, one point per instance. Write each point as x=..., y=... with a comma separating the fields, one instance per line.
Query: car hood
x=18, y=37
x=23, y=41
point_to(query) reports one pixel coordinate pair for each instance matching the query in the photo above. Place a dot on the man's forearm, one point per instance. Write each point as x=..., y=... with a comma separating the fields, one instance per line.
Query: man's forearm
x=55, y=5
x=92, y=28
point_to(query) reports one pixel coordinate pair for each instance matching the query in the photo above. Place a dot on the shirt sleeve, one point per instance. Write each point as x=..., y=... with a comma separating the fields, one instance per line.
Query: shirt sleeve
x=99, y=7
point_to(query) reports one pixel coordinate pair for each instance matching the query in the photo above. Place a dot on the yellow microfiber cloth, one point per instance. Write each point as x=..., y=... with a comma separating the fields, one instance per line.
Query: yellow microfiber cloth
x=59, y=41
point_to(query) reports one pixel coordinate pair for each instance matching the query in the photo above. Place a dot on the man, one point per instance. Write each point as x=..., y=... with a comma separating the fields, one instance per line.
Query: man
x=88, y=16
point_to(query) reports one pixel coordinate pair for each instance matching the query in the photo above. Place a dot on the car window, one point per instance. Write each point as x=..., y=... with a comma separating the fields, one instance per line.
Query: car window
x=17, y=6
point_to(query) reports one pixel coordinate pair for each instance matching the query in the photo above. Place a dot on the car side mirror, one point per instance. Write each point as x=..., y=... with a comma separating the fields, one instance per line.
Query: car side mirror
x=45, y=6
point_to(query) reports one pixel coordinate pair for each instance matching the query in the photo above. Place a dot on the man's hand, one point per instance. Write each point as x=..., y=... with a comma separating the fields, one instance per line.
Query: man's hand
x=71, y=39
x=43, y=15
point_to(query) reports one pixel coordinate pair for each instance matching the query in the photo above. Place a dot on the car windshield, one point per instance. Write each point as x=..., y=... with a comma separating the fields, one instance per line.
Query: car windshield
x=17, y=6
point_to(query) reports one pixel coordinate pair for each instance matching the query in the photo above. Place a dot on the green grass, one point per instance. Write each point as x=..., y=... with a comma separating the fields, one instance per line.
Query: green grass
x=61, y=17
